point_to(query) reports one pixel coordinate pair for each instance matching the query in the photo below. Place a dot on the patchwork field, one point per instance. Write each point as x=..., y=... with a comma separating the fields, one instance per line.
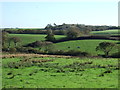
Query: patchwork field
x=106, y=32
x=85, y=45
x=53, y=72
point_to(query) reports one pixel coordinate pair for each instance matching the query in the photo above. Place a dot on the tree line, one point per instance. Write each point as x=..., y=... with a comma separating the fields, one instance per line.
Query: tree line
x=59, y=29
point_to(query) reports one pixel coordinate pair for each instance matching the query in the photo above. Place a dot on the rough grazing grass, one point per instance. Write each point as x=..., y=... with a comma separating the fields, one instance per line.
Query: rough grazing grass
x=85, y=45
x=73, y=76
x=106, y=32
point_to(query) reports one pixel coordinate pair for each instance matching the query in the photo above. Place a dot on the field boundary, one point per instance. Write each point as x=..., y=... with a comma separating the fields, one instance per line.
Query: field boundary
x=89, y=37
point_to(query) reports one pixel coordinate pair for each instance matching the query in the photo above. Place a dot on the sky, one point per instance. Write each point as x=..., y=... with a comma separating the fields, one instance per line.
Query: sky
x=39, y=14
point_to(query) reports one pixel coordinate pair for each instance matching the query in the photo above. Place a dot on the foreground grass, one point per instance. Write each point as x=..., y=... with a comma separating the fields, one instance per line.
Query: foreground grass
x=62, y=73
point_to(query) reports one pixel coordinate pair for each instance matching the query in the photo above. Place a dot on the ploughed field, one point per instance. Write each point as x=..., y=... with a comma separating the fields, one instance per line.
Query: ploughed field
x=59, y=72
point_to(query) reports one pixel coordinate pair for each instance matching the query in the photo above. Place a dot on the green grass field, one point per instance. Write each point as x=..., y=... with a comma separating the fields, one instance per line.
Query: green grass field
x=85, y=45
x=29, y=38
x=106, y=32
x=56, y=74
x=18, y=72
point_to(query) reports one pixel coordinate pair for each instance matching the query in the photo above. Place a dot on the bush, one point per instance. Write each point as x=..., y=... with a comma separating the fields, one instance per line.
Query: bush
x=29, y=50
x=57, y=52
x=86, y=54
x=49, y=49
x=12, y=50
x=39, y=44
x=73, y=52
x=4, y=49
x=70, y=52
x=77, y=53
x=21, y=49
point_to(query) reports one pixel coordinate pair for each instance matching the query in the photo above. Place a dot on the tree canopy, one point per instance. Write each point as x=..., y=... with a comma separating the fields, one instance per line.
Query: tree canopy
x=106, y=47
x=73, y=32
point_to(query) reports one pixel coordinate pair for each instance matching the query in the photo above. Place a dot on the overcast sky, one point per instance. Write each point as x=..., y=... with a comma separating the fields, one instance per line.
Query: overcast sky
x=39, y=14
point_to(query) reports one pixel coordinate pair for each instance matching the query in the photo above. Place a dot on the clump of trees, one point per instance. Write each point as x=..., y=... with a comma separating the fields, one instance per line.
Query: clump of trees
x=106, y=47
x=4, y=38
x=6, y=42
x=50, y=36
x=15, y=40
x=73, y=32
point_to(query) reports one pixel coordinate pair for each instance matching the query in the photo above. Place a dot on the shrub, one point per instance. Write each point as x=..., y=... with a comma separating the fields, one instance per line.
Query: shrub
x=61, y=52
x=4, y=49
x=77, y=53
x=12, y=50
x=29, y=50
x=57, y=52
x=70, y=52
x=73, y=52
x=21, y=49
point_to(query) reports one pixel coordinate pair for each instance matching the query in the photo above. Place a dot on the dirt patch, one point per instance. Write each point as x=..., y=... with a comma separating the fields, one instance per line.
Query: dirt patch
x=33, y=55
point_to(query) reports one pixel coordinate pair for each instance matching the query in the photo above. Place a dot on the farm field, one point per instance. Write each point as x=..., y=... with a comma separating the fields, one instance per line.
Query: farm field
x=106, y=32
x=85, y=45
x=29, y=38
x=59, y=45
x=63, y=72
x=54, y=71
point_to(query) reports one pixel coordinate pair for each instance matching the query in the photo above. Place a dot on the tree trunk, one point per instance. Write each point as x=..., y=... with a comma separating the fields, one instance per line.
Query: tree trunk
x=15, y=44
x=9, y=45
x=106, y=54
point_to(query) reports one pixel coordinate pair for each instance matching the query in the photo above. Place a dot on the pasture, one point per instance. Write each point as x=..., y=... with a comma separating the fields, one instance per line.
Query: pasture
x=106, y=32
x=85, y=45
x=50, y=71
x=60, y=72
x=29, y=38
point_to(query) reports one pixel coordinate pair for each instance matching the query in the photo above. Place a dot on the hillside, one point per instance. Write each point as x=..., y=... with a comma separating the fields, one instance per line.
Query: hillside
x=106, y=32
x=69, y=63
